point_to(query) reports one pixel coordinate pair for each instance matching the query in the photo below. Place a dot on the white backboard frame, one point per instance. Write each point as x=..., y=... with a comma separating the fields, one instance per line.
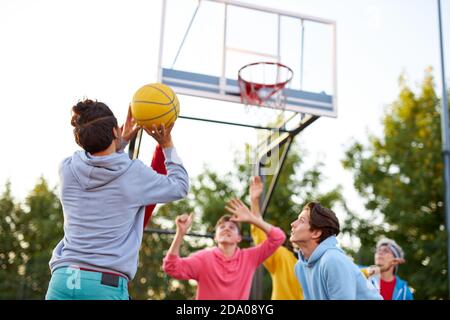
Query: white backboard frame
x=221, y=88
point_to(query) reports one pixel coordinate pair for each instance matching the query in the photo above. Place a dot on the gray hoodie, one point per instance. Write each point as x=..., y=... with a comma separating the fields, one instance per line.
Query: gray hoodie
x=104, y=201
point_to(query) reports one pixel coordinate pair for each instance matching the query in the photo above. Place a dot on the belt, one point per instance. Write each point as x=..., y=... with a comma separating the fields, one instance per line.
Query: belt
x=108, y=278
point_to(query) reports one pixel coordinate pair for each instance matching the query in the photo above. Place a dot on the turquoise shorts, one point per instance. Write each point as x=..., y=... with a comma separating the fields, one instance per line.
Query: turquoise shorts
x=71, y=283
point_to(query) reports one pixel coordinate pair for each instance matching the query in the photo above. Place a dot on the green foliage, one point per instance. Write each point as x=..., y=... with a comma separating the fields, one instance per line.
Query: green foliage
x=151, y=282
x=400, y=176
x=210, y=193
x=29, y=232
x=10, y=248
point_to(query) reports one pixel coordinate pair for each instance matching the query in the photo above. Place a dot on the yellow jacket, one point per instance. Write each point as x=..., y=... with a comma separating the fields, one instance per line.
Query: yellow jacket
x=280, y=265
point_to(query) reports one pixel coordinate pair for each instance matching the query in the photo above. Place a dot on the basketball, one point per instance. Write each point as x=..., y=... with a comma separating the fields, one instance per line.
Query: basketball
x=156, y=104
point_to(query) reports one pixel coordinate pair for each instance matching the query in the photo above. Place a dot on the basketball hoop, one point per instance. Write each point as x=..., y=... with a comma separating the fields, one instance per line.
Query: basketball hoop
x=262, y=83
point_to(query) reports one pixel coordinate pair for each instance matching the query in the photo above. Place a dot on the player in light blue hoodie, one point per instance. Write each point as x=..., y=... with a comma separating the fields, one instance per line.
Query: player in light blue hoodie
x=104, y=193
x=323, y=269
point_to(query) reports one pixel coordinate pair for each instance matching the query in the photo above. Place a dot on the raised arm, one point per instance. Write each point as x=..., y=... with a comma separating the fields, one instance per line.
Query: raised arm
x=256, y=189
x=173, y=264
x=276, y=260
x=242, y=214
x=160, y=188
x=183, y=224
x=275, y=236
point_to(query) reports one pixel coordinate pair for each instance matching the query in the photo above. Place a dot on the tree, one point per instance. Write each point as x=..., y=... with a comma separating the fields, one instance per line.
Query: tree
x=41, y=228
x=400, y=176
x=150, y=281
x=10, y=246
x=28, y=234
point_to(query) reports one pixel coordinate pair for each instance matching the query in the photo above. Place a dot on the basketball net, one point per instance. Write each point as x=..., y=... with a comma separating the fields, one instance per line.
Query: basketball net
x=263, y=83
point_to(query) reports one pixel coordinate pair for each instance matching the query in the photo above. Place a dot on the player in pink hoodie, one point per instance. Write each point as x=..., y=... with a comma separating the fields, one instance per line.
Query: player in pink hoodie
x=224, y=272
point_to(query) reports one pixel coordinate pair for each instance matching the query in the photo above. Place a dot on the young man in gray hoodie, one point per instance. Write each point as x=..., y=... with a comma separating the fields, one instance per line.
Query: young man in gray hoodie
x=104, y=193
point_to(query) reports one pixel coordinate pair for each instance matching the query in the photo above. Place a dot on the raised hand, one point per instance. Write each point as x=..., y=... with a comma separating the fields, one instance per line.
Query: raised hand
x=383, y=268
x=256, y=188
x=161, y=135
x=240, y=212
x=130, y=127
x=392, y=263
x=184, y=222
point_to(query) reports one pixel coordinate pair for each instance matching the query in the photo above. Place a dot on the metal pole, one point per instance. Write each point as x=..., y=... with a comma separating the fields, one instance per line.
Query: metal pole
x=266, y=200
x=335, y=89
x=185, y=35
x=135, y=145
x=279, y=48
x=223, y=81
x=302, y=52
x=233, y=123
x=257, y=285
x=445, y=143
x=161, y=39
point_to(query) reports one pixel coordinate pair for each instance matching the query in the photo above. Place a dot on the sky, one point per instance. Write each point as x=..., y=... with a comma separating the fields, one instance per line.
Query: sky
x=54, y=53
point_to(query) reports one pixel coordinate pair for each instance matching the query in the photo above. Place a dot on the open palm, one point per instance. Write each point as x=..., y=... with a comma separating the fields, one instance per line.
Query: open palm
x=240, y=212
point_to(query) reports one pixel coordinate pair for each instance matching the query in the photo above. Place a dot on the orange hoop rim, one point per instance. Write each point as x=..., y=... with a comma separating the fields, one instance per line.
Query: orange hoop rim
x=279, y=85
x=251, y=91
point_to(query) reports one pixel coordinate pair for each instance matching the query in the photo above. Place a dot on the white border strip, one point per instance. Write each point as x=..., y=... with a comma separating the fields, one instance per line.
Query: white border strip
x=274, y=11
x=237, y=99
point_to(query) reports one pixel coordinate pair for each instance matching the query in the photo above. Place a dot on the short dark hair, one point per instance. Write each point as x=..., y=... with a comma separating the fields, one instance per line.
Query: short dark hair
x=94, y=123
x=323, y=219
x=226, y=218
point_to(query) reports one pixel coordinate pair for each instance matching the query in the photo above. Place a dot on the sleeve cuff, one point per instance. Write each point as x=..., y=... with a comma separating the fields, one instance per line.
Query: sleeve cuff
x=276, y=234
x=273, y=232
x=171, y=155
x=170, y=257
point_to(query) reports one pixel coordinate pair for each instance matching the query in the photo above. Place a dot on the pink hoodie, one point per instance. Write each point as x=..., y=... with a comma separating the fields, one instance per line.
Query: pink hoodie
x=221, y=278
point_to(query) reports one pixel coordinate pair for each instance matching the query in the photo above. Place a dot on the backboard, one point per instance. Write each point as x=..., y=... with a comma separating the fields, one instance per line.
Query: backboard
x=204, y=43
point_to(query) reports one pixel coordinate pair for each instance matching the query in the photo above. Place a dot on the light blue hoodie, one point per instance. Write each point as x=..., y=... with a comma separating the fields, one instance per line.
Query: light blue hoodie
x=330, y=275
x=401, y=289
x=103, y=201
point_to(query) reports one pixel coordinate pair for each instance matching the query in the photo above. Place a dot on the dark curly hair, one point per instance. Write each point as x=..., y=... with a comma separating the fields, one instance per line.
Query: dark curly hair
x=94, y=123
